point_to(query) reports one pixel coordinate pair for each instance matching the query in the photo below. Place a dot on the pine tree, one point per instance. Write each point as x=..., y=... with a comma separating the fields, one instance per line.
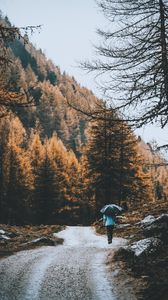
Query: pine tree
x=46, y=192
x=58, y=155
x=4, y=132
x=36, y=153
x=18, y=177
x=113, y=165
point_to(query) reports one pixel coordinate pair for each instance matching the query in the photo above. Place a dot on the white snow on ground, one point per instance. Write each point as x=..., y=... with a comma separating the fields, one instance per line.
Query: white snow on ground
x=151, y=219
x=5, y=237
x=147, y=220
x=74, y=270
x=86, y=237
x=145, y=245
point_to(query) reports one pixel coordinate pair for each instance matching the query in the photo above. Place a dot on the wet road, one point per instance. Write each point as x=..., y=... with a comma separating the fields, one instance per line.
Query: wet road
x=75, y=270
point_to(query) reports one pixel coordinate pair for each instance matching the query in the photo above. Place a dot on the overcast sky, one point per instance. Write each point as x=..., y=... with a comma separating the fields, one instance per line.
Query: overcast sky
x=67, y=34
x=67, y=37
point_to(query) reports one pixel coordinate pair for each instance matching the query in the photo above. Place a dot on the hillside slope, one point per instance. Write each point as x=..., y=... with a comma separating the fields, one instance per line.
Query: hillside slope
x=50, y=90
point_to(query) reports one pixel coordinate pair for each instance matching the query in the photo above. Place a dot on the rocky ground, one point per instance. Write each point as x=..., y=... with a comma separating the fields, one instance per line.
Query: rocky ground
x=16, y=238
x=145, y=258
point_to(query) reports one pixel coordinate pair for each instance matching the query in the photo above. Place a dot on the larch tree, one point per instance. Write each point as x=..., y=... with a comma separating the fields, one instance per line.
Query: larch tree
x=11, y=98
x=75, y=204
x=58, y=154
x=4, y=133
x=18, y=179
x=36, y=154
x=19, y=186
x=46, y=191
x=113, y=166
x=133, y=58
x=68, y=203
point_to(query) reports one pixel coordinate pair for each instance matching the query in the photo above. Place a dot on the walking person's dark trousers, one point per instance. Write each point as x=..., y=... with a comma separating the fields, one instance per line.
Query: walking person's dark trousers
x=110, y=233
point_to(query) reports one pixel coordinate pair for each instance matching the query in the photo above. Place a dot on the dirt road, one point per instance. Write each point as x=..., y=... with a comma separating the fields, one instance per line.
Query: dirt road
x=75, y=270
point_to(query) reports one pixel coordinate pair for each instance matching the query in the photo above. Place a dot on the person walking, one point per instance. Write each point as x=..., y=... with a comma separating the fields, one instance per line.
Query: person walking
x=109, y=223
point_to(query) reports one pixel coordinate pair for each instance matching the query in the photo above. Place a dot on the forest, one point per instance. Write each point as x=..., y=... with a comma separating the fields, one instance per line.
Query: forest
x=59, y=165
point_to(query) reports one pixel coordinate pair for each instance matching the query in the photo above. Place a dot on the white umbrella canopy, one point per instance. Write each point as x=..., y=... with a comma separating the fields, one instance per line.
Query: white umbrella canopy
x=111, y=209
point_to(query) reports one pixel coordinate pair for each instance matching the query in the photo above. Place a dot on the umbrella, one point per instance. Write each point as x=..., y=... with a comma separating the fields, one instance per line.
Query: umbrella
x=111, y=209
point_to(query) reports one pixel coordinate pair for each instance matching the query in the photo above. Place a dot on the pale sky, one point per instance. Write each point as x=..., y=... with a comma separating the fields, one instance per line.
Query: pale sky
x=67, y=37
x=67, y=34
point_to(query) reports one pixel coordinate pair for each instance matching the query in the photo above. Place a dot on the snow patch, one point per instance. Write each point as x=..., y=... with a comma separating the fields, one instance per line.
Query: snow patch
x=86, y=237
x=147, y=220
x=162, y=217
x=145, y=245
x=5, y=237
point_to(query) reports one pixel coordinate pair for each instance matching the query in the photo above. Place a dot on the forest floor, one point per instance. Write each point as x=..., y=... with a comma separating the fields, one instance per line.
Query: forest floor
x=150, y=279
x=17, y=238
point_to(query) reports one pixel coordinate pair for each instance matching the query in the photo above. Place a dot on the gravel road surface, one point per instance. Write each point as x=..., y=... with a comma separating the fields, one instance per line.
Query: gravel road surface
x=75, y=270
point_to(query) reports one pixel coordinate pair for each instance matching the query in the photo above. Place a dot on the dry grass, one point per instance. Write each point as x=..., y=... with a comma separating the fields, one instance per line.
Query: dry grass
x=25, y=234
